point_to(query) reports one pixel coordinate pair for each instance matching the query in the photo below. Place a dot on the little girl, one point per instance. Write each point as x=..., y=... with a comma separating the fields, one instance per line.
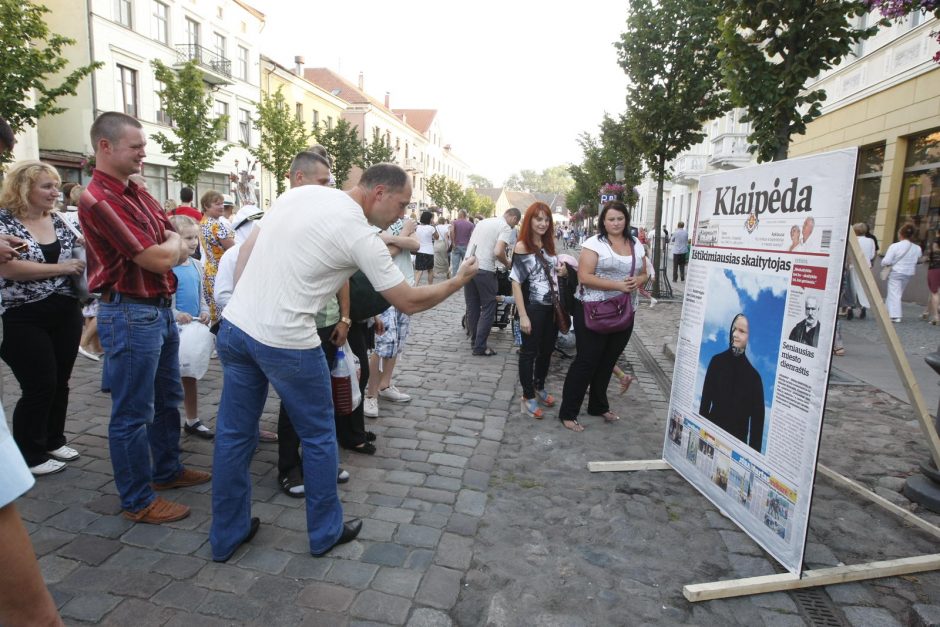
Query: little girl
x=189, y=305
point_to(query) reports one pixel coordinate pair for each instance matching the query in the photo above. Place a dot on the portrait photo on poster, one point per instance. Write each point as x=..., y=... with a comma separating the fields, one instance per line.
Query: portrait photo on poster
x=740, y=344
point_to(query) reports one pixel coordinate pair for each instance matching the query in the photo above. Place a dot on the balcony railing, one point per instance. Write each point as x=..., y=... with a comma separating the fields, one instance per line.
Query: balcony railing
x=689, y=167
x=219, y=69
x=729, y=150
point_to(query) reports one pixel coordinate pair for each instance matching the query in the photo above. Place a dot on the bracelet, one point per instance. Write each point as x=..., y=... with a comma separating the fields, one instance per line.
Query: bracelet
x=346, y=320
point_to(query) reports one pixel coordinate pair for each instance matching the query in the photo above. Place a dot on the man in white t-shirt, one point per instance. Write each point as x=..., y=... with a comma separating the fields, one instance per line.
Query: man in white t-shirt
x=310, y=242
x=490, y=241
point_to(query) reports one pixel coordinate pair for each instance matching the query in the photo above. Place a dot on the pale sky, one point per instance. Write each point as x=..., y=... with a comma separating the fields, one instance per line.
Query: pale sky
x=514, y=81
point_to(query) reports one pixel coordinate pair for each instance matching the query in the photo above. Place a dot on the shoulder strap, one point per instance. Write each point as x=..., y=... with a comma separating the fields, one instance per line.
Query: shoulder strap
x=69, y=226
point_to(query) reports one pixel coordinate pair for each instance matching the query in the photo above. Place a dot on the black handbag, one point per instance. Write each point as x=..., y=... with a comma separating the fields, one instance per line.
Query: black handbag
x=364, y=301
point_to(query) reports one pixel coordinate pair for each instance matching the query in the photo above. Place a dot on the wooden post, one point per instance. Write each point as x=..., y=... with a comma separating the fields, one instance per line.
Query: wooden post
x=894, y=347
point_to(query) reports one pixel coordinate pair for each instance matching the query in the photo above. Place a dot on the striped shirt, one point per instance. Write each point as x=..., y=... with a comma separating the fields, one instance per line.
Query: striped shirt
x=119, y=222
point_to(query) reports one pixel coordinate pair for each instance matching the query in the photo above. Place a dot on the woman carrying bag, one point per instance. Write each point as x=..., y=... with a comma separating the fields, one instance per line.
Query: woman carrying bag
x=611, y=269
x=534, y=277
x=901, y=260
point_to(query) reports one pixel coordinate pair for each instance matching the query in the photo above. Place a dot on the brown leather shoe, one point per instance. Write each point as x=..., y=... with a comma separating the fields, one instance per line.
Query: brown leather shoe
x=186, y=478
x=158, y=512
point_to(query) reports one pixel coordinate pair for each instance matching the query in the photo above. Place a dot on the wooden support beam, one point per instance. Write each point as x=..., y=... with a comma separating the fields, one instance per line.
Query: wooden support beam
x=882, y=502
x=811, y=578
x=895, y=349
x=629, y=466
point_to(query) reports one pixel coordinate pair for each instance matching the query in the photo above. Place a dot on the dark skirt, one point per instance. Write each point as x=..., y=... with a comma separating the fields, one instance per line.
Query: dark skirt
x=424, y=261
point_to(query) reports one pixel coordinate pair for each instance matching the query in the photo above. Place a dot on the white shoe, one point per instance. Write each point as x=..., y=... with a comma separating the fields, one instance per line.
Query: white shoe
x=48, y=467
x=64, y=454
x=88, y=354
x=370, y=407
x=391, y=393
x=653, y=302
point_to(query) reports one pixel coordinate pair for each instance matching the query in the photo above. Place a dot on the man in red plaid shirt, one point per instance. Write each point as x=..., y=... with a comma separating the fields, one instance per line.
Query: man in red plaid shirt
x=131, y=252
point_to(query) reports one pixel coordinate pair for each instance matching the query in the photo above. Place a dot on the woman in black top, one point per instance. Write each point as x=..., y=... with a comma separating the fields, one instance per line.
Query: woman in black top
x=534, y=278
x=42, y=321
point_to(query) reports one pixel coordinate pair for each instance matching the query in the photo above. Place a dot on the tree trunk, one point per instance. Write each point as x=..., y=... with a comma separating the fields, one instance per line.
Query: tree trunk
x=657, y=220
x=783, y=140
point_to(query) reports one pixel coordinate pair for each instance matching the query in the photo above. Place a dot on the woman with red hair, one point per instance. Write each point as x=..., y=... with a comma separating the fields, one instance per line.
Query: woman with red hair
x=534, y=277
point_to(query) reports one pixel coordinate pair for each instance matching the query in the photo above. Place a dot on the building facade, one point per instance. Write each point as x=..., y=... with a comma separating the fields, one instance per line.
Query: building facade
x=125, y=35
x=311, y=104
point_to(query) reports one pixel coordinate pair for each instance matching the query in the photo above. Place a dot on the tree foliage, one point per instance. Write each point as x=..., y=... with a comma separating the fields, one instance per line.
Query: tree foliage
x=444, y=192
x=553, y=180
x=343, y=145
x=29, y=59
x=476, y=204
x=477, y=180
x=198, y=132
x=282, y=136
x=376, y=151
x=669, y=52
x=770, y=49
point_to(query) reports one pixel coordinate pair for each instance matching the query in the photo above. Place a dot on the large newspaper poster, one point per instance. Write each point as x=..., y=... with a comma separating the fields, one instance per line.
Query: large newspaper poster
x=755, y=339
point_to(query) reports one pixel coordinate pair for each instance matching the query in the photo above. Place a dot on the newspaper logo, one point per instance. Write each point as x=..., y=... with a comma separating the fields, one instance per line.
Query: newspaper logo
x=750, y=225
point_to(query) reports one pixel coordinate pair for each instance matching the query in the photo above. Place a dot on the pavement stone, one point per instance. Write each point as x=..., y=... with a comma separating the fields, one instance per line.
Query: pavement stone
x=475, y=515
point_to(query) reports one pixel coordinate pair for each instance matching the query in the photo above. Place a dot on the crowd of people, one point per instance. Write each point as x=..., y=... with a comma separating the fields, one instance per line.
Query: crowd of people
x=173, y=286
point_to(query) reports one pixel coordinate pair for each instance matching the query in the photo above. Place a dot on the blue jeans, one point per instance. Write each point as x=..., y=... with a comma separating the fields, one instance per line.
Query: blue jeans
x=302, y=380
x=456, y=257
x=142, y=347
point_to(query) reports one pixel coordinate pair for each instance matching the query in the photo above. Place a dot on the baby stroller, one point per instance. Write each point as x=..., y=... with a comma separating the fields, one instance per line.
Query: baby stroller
x=505, y=309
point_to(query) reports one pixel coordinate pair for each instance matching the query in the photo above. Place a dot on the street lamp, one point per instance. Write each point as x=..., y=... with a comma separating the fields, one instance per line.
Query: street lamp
x=619, y=171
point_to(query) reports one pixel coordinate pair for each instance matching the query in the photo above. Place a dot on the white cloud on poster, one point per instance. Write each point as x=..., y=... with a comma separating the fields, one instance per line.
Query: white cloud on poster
x=753, y=283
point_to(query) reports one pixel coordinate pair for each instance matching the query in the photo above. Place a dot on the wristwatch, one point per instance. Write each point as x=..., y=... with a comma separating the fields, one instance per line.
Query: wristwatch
x=346, y=320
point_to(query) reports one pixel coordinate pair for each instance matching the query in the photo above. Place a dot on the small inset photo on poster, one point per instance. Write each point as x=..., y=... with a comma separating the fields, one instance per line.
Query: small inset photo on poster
x=777, y=515
x=720, y=474
x=738, y=356
x=739, y=484
x=806, y=331
x=675, y=428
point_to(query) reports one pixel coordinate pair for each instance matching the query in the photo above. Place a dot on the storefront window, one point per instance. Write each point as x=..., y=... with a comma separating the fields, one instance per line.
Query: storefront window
x=211, y=180
x=157, y=177
x=871, y=161
x=920, y=190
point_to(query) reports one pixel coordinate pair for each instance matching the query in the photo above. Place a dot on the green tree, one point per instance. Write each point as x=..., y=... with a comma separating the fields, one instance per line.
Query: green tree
x=187, y=102
x=479, y=181
x=670, y=55
x=30, y=57
x=555, y=180
x=282, y=136
x=454, y=194
x=343, y=145
x=376, y=151
x=438, y=190
x=769, y=50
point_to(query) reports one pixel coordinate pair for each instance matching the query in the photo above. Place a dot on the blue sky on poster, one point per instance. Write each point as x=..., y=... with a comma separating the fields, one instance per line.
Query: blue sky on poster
x=514, y=82
x=762, y=298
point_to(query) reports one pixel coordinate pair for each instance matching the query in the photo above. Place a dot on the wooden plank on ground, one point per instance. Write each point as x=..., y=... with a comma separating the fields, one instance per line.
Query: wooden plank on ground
x=811, y=578
x=880, y=501
x=629, y=466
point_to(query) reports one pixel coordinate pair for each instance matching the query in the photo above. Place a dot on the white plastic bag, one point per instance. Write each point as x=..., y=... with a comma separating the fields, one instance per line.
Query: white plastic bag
x=352, y=365
x=196, y=344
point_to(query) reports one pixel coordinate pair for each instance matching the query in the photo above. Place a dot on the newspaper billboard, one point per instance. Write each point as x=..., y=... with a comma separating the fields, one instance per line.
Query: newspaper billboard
x=754, y=344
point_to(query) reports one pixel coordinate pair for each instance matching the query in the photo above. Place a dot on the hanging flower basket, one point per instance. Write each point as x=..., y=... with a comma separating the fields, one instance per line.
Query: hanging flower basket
x=612, y=188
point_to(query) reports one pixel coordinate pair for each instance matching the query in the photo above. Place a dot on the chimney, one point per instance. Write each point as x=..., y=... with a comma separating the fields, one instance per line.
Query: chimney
x=362, y=81
x=298, y=65
x=388, y=96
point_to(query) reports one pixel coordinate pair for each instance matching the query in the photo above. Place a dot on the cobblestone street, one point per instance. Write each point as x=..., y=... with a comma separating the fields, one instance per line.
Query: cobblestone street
x=474, y=515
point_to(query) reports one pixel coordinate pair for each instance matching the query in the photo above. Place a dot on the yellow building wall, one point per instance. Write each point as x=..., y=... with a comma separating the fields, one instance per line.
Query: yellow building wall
x=295, y=90
x=889, y=116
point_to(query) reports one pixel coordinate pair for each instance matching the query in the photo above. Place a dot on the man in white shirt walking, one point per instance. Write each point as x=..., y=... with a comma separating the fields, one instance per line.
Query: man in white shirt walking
x=489, y=243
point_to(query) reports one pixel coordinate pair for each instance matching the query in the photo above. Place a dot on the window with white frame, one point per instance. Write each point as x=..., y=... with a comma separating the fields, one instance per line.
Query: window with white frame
x=161, y=22
x=316, y=119
x=218, y=44
x=221, y=109
x=243, y=63
x=162, y=116
x=192, y=33
x=299, y=111
x=127, y=89
x=329, y=122
x=123, y=12
x=244, y=125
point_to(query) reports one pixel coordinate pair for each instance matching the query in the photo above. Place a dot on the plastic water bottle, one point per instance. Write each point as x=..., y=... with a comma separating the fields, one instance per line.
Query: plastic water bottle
x=342, y=385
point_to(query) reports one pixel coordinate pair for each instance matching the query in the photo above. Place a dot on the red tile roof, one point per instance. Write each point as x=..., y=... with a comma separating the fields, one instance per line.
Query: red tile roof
x=337, y=85
x=418, y=119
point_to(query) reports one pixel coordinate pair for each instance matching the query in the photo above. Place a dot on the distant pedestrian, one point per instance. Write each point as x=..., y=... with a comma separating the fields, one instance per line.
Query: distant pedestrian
x=424, y=258
x=902, y=257
x=933, y=280
x=460, y=231
x=680, y=252
x=215, y=238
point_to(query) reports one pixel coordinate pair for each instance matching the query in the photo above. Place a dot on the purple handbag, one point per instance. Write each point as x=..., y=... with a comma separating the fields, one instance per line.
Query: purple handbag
x=611, y=315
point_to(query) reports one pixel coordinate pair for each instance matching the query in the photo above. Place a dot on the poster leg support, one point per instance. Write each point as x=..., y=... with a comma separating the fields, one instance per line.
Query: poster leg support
x=811, y=578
